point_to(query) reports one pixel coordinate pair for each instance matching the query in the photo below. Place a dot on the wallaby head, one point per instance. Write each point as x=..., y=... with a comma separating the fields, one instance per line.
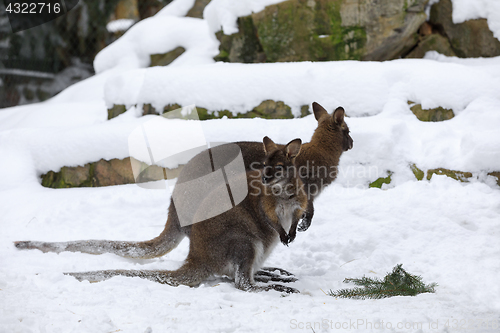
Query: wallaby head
x=332, y=126
x=278, y=165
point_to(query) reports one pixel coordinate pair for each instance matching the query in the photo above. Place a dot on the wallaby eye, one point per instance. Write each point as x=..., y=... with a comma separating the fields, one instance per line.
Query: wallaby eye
x=279, y=167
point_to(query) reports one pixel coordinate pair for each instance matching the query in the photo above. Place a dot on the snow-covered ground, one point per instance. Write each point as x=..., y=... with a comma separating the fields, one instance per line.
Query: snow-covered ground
x=444, y=230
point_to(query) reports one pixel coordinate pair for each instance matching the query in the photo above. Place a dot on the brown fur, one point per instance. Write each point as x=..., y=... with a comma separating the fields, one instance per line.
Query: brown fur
x=329, y=140
x=234, y=243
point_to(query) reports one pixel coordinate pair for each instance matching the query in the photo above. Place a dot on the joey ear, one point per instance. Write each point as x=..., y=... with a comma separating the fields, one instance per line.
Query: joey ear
x=338, y=115
x=269, y=145
x=318, y=110
x=292, y=149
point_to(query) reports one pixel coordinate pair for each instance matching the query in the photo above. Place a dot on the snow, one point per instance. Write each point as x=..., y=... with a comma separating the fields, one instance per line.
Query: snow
x=119, y=25
x=464, y=10
x=223, y=14
x=157, y=35
x=444, y=230
x=215, y=86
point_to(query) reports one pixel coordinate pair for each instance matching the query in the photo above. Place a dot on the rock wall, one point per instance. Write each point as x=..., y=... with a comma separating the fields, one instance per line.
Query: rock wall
x=106, y=173
x=469, y=39
x=322, y=30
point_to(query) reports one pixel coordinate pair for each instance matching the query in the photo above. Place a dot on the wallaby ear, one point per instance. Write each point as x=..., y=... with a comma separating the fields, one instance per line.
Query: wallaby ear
x=292, y=149
x=338, y=115
x=269, y=145
x=318, y=111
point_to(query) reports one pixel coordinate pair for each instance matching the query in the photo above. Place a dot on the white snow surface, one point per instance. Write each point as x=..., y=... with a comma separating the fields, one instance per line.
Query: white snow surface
x=444, y=230
x=223, y=14
x=464, y=10
x=159, y=34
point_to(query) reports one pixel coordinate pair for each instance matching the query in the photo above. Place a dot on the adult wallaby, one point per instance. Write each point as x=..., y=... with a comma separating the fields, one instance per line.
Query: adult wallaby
x=319, y=159
x=317, y=167
x=238, y=241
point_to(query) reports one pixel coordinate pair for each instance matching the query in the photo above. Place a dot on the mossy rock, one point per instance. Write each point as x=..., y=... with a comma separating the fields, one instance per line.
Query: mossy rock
x=79, y=176
x=325, y=30
x=419, y=174
x=149, y=109
x=435, y=114
x=304, y=111
x=433, y=42
x=469, y=39
x=166, y=58
x=382, y=180
x=106, y=173
x=243, y=46
x=457, y=175
x=116, y=110
x=308, y=31
x=268, y=109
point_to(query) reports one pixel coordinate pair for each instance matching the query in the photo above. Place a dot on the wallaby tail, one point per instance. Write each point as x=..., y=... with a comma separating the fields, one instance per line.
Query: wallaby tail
x=168, y=240
x=188, y=274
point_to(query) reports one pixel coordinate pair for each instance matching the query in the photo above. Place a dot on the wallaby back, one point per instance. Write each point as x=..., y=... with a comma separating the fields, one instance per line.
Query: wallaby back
x=237, y=242
x=316, y=164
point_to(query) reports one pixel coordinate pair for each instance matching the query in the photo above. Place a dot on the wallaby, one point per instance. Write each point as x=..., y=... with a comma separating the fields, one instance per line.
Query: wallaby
x=316, y=164
x=237, y=242
x=318, y=161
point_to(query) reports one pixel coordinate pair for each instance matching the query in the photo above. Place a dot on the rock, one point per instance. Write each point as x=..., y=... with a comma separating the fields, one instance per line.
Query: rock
x=457, y=175
x=433, y=42
x=243, y=46
x=166, y=58
x=197, y=9
x=419, y=174
x=270, y=109
x=116, y=110
x=382, y=180
x=148, y=8
x=107, y=173
x=391, y=26
x=78, y=176
x=495, y=174
x=471, y=38
x=304, y=111
x=149, y=109
x=126, y=9
x=323, y=30
x=436, y=114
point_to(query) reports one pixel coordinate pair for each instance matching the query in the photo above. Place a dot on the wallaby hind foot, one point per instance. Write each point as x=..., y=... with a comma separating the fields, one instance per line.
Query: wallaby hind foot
x=189, y=274
x=264, y=276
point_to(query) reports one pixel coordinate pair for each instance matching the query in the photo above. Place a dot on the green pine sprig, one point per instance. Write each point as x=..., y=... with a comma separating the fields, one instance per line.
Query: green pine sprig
x=397, y=283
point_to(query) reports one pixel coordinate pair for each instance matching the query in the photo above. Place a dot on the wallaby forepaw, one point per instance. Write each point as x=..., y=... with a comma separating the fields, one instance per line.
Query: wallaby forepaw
x=285, y=239
x=304, y=224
